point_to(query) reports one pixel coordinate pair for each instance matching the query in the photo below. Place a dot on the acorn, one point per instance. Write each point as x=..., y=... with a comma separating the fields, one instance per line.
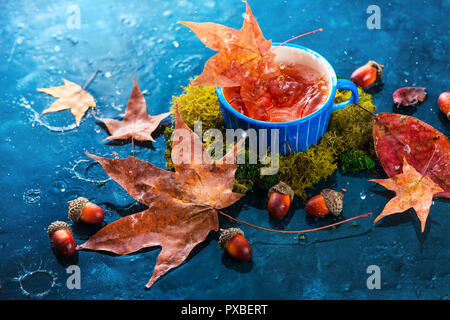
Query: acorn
x=62, y=240
x=280, y=198
x=367, y=74
x=81, y=209
x=444, y=103
x=328, y=201
x=233, y=242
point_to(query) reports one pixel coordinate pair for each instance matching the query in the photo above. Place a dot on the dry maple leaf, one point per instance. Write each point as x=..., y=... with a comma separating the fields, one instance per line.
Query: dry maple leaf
x=409, y=96
x=136, y=123
x=182, y=205
x=244, y=55
x=71, y=96
x=397, y=136
x=413, y=190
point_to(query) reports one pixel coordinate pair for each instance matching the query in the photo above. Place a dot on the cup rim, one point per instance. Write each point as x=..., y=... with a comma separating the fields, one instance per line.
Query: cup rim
x=226, y=105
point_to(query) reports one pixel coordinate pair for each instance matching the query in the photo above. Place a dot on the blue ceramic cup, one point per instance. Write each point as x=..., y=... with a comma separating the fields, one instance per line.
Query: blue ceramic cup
x=297, y=135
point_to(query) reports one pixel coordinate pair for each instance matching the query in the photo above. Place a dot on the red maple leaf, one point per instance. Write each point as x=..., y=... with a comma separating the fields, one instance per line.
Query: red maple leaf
x=425, y=148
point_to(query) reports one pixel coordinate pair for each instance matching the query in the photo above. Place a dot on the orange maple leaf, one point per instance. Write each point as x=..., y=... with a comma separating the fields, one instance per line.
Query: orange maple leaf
x=71, y=96
x=244, y=55
x=413, y=190
x=136, y=123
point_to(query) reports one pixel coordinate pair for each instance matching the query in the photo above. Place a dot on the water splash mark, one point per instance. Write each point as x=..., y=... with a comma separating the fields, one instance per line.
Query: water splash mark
x=83, y=176
x=18, y=41
x=37, y=283
x=32, y=196
x=35, y=117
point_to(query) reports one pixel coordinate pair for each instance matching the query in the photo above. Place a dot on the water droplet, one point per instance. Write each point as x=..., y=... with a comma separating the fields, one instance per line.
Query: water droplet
x=57, y=187
x=57, y=48
x=362, y=195
x=175, y=44
x=73, y=40
x=108, y=74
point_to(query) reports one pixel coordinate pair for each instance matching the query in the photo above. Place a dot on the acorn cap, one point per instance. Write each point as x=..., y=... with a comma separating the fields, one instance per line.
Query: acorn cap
x=76, y=208
x=379, y=68
x=333, y=200
x=57, y=225
x=282, y=188
x=227, y=234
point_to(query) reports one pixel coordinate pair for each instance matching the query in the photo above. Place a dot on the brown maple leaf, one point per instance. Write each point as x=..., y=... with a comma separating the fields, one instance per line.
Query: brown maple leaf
x=136, y=123
x=244, y=55
x=71, y=96
x=413, y=190
x=182, y=205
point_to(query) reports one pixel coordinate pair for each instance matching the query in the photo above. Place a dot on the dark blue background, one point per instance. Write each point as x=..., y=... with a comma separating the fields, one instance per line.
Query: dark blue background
x=126, y=37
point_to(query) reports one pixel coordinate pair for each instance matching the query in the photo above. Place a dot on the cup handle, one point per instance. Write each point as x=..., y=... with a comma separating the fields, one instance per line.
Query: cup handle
x=347, y=85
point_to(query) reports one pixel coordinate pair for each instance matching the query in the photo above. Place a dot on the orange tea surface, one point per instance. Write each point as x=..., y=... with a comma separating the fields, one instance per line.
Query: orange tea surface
x=297, y=92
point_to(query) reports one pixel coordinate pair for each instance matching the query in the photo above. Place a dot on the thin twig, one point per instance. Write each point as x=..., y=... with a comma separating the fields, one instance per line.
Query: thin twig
x=373, y=115
x=299, y=36
x=91, y=78
x=289, y=147
x=295, y=231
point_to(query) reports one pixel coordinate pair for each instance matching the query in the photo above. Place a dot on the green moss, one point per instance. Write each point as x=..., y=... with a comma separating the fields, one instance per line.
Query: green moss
x=355, y=161
x=167, y=153
x=248, y=176
x=349, y=129
x=199, y=103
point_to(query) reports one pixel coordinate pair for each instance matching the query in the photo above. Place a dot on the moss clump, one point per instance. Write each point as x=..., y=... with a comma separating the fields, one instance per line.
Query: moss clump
x=199, y=103
x=248, y=176
x=355, y=161
x=349, y=129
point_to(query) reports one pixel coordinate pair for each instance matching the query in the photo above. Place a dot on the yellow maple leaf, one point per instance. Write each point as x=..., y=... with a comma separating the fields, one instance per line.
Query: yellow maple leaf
x=71, y=96
x=413, y=190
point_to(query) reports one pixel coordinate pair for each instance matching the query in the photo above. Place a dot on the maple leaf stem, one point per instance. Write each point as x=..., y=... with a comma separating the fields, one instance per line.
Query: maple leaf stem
x=424, y=172
x=132, y=145
x=295, y=231
x=91, y=78
x=365, y=109
x=296, y=37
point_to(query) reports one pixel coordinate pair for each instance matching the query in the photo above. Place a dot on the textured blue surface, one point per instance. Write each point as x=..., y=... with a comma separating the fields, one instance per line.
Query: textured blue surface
x=125, y=37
